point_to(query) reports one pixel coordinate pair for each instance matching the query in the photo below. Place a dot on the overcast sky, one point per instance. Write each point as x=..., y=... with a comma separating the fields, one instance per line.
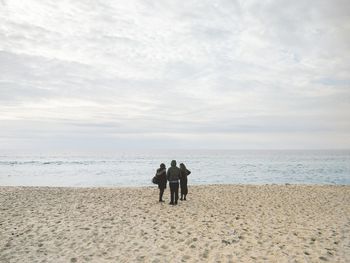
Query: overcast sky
x=103, y=75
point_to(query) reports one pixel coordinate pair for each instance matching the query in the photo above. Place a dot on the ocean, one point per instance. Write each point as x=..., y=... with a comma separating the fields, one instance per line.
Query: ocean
x=207, y=167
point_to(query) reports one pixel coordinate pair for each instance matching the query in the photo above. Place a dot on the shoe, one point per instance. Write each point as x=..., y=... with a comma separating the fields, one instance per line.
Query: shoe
x=185, y=198
x=161, y=201
x=181, y=199
x=171, y=203
x=175, y=203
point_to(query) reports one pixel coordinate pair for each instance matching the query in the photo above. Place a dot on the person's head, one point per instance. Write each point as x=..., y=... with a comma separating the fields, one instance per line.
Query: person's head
x=162, y=166
x=182, y=166
x=173, y=163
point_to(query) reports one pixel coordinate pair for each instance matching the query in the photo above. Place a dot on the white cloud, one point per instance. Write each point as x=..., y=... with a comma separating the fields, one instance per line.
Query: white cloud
x=170, y=67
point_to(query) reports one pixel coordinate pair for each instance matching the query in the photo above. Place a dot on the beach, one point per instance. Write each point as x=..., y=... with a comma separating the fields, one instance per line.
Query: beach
x=217, y=223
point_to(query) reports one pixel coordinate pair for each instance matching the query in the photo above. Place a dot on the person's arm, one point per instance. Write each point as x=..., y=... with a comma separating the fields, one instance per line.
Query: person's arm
x=160, y=172
x=188, y=172
x=179, y=174
x=163, y=174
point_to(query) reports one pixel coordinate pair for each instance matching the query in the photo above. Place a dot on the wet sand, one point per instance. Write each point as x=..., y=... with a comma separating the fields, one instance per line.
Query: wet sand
x=218, y=223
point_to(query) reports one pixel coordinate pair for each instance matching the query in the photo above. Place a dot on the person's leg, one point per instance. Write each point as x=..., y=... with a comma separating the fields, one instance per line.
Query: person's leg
x=161, y=192
x=181, y=191
x=176, y=192
x=185, y=191
x=172, y=192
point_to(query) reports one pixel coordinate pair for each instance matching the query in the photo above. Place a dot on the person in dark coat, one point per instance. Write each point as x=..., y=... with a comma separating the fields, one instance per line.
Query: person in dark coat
x=162, y=181
x=173, y=176
x=183, y=181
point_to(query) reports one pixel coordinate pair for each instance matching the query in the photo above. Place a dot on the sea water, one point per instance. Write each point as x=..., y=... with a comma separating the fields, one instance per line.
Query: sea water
x=207, y=167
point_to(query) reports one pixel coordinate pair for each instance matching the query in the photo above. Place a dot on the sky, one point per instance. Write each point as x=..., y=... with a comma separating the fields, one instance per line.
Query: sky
x=141, y=74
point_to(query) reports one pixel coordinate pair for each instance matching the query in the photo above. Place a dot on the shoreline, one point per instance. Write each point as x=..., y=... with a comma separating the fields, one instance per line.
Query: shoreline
x=218, y=222
x=190, y=185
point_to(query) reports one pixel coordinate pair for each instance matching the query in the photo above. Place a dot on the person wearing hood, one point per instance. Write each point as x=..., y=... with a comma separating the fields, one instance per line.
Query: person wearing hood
x=162, y=180
x=173, y=176
x=183, y=181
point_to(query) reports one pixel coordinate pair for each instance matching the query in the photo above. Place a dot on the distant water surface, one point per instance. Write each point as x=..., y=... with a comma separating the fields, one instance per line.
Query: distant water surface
x=208, y=167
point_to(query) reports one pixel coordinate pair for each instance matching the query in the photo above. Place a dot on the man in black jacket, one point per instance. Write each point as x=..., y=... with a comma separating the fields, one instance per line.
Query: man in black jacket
x=173, y=176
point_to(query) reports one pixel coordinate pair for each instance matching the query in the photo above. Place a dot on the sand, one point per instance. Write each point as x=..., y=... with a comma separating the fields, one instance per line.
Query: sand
x=227, y=223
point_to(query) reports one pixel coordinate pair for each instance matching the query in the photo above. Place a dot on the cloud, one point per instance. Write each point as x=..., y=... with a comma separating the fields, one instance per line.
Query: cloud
x=175, y=68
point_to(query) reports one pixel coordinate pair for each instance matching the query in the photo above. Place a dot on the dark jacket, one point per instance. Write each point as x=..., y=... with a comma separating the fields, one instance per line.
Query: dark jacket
x=183, y=180
x=173, y=174
x=161, y=175
x=183, y=175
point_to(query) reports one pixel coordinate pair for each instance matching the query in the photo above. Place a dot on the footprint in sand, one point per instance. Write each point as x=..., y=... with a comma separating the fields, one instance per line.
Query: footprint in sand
x=186, y=258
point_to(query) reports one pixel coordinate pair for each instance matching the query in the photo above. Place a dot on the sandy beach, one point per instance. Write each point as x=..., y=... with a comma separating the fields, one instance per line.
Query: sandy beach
x=218, y=223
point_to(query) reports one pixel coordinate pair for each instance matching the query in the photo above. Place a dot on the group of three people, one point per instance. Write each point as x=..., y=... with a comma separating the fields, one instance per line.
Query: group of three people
x=173, y=175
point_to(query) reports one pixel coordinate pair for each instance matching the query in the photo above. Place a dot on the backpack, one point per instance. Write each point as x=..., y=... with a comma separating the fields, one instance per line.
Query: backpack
x=155, y=180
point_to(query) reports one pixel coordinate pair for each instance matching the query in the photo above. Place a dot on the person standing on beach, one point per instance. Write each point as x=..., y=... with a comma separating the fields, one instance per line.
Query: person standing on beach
x=183, y=181
x=173, y=176
x=162, y=180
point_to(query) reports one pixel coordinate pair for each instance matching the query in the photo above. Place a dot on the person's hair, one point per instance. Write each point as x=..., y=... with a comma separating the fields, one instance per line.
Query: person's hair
x=182, y=166
x=162, y=165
